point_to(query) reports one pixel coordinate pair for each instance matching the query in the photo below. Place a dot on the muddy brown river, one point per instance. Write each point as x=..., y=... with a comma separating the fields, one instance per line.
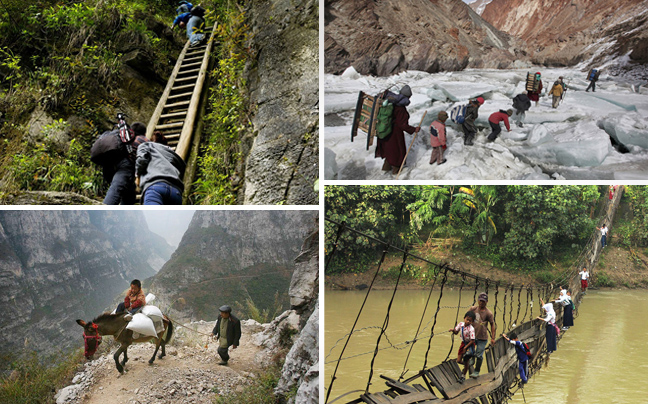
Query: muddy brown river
x=602, y=359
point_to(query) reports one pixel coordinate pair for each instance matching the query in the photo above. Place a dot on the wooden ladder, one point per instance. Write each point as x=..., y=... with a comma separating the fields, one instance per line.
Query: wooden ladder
x=177, y=109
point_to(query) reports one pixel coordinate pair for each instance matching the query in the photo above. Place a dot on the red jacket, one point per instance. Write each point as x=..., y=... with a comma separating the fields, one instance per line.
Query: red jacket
x=498, y=117
x=437, y=141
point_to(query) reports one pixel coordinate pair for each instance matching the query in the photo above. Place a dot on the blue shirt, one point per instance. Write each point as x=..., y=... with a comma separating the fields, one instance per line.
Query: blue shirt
x=182, y=18
x=519, y=349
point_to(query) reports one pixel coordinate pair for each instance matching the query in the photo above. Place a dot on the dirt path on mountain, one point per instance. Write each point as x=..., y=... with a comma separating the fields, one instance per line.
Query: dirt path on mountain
x=188, y=374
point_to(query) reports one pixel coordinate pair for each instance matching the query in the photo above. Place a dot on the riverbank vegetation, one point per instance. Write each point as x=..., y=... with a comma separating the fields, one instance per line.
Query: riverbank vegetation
x=533, y=233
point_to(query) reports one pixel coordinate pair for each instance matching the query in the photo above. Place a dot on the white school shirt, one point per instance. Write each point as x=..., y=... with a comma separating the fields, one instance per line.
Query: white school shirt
x=604, y=231
x=563, y=300
x=468, y=332
x=551, y=314
x=584, y=275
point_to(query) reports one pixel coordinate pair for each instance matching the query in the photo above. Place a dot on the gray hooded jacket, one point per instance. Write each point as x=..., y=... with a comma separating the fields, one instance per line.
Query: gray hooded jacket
x=157, y=162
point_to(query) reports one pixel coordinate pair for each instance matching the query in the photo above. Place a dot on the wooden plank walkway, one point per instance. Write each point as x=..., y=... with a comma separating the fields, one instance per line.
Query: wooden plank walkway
x=445, y=384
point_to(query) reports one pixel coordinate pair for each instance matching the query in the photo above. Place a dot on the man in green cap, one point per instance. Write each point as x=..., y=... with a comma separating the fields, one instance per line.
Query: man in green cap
x=228, y=333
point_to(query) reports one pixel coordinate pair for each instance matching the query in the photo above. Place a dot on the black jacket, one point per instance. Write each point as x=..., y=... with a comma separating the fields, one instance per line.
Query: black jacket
x=233, y=330
x=521, y=102
x=472, y=113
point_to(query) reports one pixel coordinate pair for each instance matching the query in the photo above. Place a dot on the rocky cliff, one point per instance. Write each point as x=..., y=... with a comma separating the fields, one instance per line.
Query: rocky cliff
x=57, y=266
x=283, y=152
x=387, y=36
x=228, y=256
x=566, y=32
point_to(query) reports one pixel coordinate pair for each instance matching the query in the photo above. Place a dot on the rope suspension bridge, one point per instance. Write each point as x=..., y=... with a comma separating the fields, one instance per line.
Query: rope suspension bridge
x=513, y=310
x=178, y=115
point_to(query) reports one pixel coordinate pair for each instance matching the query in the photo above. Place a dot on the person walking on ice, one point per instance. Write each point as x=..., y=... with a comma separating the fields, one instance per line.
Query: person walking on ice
x=557, y=92
x=438, y=138
x=494, y=121
x=521, y=103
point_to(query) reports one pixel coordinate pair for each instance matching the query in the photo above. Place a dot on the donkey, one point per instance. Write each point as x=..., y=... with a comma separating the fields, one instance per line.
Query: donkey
x=115, y=325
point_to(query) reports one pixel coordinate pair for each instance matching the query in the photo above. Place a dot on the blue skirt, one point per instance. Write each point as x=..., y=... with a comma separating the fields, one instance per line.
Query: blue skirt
x=551, y=338
x=568, y=316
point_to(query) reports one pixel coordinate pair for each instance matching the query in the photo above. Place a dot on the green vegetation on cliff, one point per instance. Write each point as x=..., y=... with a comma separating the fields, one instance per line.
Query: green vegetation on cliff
x=514, y=227
x=65, y=69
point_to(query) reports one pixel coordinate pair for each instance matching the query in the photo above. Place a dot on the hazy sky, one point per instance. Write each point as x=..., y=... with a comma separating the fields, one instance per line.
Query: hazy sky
x=170, y=224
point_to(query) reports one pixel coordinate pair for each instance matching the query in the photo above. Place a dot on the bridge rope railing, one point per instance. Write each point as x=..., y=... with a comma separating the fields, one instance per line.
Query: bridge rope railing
x=442, y=272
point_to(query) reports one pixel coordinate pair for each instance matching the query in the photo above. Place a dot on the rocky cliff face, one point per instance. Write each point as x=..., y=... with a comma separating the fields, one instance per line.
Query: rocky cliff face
x=566, y=32
x=388, y=36
x=228, y=256
x=57, y=266
x=283, y=151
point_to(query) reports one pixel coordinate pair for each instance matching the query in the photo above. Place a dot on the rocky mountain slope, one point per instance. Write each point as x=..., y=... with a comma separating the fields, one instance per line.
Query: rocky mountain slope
x=228, y=256
x=57, y=266
x=190, y=373
x=387, y=36
x=567, y=32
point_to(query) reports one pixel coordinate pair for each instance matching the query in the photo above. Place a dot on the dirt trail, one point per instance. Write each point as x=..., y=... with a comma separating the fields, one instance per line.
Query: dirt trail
x=188, y=374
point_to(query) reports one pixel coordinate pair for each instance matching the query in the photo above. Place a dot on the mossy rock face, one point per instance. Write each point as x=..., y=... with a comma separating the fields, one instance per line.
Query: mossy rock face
x=283, y=160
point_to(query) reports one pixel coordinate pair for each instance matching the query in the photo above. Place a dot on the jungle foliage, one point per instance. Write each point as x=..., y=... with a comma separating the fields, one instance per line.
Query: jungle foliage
x=523, y=225
x=66, y=59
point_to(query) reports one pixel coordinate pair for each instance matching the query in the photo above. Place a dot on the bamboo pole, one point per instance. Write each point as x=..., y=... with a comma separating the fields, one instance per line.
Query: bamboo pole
x=410, y=146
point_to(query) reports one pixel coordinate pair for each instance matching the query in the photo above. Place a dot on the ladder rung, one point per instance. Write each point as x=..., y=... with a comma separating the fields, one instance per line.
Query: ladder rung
x=191, y=65
x=190, y=71
x=180, y=95
x=173, y=136
x=169, y=126
x=192, y=59
x=183, y=87
x=187, y=78
x=173, y=115
x=196, y=53
x=177, y=104
x=168, y=131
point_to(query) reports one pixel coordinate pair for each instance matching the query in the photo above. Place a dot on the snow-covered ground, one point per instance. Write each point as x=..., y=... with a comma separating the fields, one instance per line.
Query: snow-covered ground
x=572, y=142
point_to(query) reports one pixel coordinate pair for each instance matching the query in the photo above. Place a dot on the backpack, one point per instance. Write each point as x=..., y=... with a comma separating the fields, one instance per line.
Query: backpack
x=532, y=82
x=108, y=148
x=384, y=120
x=593, y=75
x=458, y=114
x=527, y=350
x=113, y=145
x=521, y=102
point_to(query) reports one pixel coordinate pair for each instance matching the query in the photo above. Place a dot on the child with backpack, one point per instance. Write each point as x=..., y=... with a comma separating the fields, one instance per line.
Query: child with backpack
x=438, y=138
x=468, y=126
x=467, y=333
x=523, y=353
x=521, y=103
x=566, y=303
x=494, y=121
